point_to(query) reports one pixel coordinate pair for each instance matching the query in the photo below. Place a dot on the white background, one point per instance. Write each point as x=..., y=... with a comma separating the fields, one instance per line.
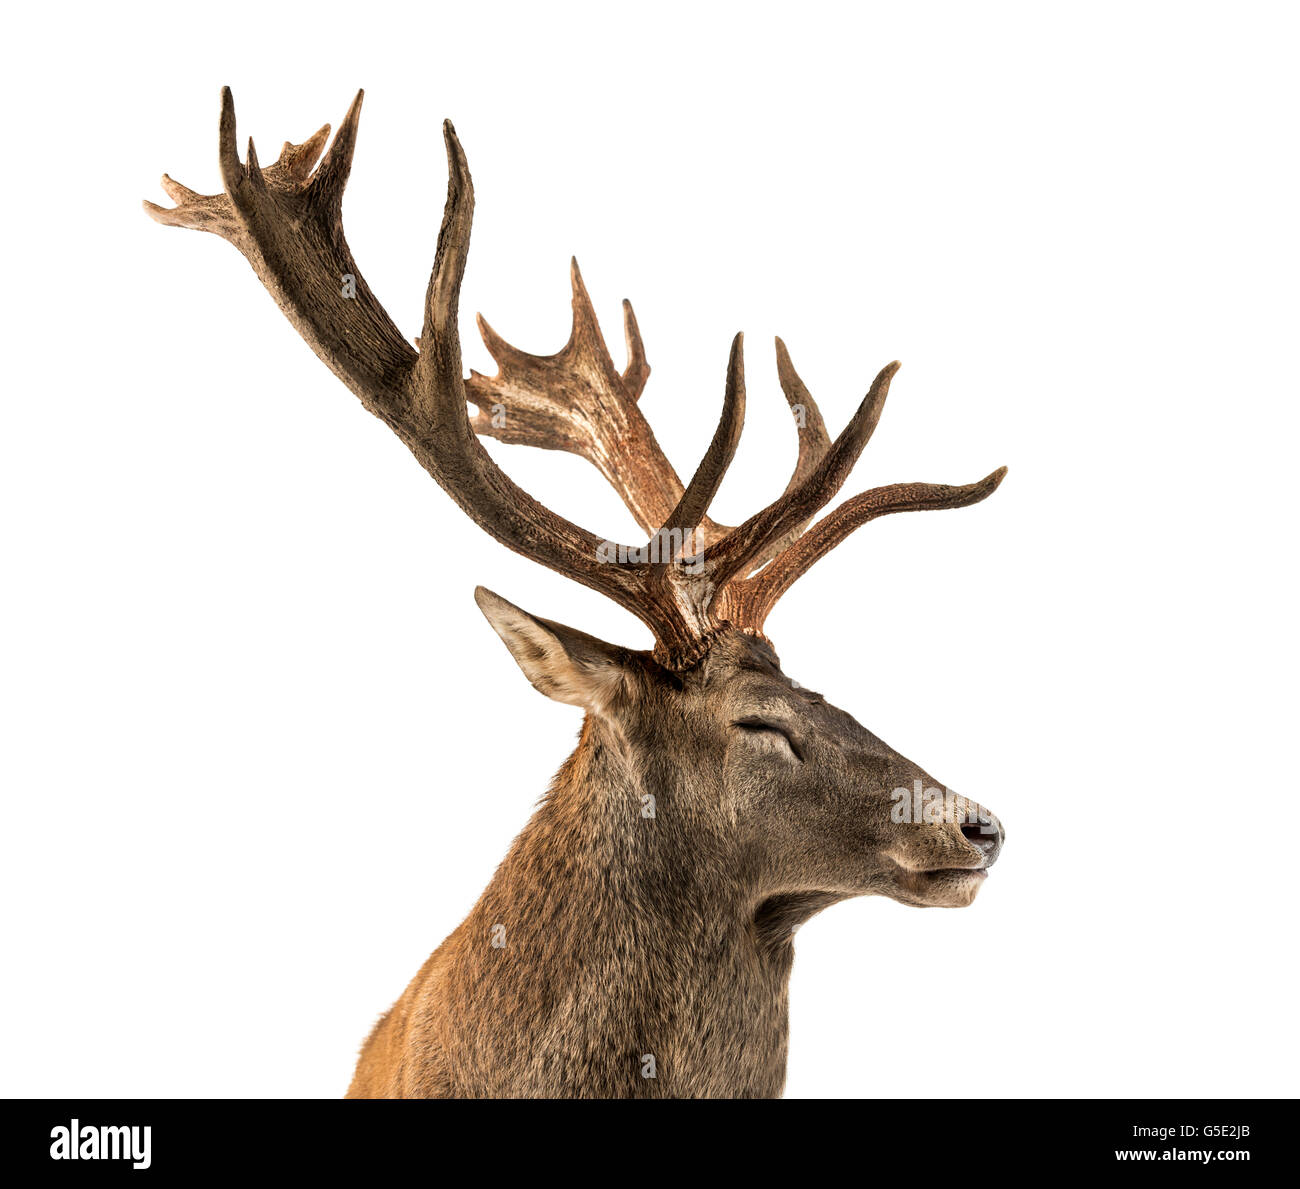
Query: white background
x=260, y=751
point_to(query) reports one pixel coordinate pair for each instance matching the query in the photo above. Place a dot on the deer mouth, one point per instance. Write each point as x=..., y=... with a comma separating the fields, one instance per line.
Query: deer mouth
x=950, y=887
x=948, y=875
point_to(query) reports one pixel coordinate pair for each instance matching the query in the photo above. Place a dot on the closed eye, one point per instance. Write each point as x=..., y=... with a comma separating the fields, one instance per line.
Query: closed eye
x=758, y=726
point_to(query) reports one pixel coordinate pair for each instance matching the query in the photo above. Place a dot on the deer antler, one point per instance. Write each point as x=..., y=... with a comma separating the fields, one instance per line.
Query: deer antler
x=577, y=401
x=694, y=578
x=601, y=422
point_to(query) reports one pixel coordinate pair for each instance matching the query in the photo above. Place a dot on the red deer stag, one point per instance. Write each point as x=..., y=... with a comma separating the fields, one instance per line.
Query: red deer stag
x=636, y=941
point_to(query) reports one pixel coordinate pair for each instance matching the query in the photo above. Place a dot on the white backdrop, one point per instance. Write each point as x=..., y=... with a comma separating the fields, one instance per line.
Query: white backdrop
x=261, y=753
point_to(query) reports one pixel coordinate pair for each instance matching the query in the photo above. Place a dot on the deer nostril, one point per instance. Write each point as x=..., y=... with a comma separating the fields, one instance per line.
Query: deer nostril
x=985, y=835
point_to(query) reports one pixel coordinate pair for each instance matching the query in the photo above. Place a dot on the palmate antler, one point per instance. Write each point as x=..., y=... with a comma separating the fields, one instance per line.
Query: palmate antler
x=694, y=578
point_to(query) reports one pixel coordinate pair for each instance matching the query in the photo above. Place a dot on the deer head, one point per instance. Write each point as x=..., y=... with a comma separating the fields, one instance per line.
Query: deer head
x=794, y=797
x=798, y=802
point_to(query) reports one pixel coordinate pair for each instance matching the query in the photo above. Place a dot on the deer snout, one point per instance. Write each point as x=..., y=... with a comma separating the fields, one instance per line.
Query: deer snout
x=984, y=831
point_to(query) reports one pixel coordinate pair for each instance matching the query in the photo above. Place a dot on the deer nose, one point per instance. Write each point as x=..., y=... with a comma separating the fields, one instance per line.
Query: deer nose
x=985, y=833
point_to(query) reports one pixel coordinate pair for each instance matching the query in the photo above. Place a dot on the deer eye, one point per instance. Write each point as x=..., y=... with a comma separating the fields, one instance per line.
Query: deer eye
x=759, y=726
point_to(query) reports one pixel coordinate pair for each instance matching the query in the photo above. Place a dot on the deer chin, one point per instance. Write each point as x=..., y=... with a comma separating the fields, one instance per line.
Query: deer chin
x=944, y=887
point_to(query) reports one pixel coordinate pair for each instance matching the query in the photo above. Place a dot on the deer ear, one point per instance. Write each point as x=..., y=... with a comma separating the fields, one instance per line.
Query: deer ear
x=560, y=662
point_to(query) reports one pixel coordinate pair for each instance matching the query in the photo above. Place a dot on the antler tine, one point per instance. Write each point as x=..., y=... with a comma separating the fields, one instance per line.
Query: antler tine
x=814, y=441
x=232, y=172
x=704, y=484
x=585, y=339
x=755, y=597
x=744, y=546
x=637, y=371
x=298, y=160
x=331, y=178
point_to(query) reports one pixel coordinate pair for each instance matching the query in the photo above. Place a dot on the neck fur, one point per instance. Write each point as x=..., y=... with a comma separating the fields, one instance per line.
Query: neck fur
x=622, y=935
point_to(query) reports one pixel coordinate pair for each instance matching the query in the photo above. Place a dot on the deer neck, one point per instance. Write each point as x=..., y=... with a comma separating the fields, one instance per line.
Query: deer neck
x=623, y=925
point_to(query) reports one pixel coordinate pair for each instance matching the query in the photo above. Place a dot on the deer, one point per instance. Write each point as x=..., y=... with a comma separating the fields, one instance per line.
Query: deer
x=637, y=940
